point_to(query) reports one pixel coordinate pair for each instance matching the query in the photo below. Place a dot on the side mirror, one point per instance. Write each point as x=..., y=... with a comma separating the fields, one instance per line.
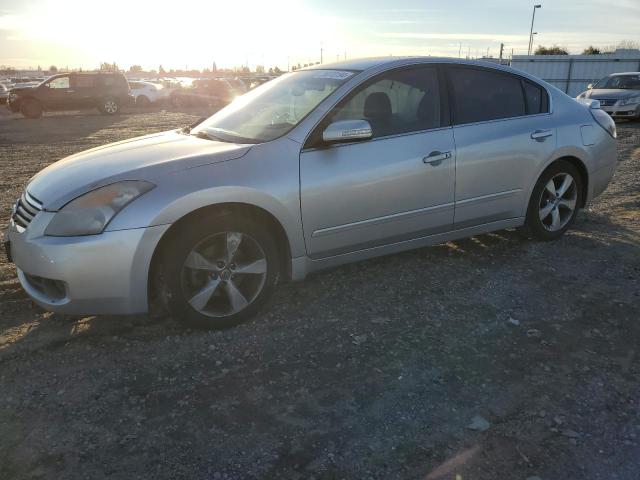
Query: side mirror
x=347, y=131
x=590, y=86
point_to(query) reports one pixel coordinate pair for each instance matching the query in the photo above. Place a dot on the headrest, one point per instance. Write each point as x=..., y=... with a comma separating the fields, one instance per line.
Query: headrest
x=377, y=106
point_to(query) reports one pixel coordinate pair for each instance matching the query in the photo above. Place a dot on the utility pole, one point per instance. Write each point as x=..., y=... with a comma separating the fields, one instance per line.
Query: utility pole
x=460, y=50
x=533, y=17
x=320, y=52
x=501, y=50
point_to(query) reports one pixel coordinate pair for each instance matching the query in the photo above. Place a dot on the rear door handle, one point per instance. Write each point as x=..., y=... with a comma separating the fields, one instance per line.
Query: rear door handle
x=541, y=134
x=436, y=158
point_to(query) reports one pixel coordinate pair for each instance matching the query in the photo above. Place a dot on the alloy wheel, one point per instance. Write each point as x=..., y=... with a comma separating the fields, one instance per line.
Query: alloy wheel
x=558, y=202
x=110, y=106
x=224, y=274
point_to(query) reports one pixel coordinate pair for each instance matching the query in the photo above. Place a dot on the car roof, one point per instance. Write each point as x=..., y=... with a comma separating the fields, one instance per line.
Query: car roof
x=363, y=64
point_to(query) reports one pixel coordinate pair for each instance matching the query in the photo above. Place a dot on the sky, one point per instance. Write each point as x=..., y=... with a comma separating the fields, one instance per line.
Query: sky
x=197, y=33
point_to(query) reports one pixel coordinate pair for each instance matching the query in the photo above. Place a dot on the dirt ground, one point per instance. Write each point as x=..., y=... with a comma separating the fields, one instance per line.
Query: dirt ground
x=373, y=370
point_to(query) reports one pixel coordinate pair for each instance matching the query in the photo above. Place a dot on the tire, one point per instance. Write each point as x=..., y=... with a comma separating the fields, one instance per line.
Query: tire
x=142, y=101
x=203, y=284
x=549, y=215
x=31, y=108
x=109, y=106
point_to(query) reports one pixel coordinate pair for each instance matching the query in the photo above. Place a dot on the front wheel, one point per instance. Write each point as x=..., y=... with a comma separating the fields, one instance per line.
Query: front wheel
x=216, y=274
x=554, y=202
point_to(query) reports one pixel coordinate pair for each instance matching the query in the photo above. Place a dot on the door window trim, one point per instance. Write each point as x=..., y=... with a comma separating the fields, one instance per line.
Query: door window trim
x=521, y=79
x=445, y=113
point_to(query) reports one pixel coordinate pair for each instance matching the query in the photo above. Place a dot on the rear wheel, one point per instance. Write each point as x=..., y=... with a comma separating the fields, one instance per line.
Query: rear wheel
x=142, y=101
x=216, y=274
x=554, y=202
x=31, y=108
x=109, y=106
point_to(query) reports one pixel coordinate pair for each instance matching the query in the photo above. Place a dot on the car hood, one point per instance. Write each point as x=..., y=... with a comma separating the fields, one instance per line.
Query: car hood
x=23, y=89
x=142, y=158
x=611, y=93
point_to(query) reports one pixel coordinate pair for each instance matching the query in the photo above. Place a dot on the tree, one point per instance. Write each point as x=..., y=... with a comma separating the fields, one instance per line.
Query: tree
x=113, y=67
x=161, y=71
x=53, y=69
x=135, y=69
x=555, y=50
x=277, y=71
x=591, y=50
x=259, y=68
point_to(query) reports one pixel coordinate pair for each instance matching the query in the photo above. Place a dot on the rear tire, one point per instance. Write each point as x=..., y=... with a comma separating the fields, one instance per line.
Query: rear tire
x=109, y=106
x=142, y=101
x=554, y=202
x=218, y=272
x=31, y=108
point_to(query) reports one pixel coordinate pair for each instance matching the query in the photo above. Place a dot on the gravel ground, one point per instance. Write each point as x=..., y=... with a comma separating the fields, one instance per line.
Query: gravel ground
x=491, y=357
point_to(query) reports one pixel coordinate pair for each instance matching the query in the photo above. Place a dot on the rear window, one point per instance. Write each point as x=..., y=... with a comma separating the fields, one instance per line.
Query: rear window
x=480, y=95
x=536, y=98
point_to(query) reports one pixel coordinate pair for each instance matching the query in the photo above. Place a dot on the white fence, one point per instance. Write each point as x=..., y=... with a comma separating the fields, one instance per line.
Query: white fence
x=572, y=73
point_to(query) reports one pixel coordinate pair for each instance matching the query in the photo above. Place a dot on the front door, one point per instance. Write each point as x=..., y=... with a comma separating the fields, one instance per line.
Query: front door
x=59, y=94
x=396, y=186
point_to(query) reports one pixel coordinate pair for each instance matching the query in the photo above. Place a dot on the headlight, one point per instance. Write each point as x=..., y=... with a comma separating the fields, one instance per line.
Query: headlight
x=90, y=213
x=630, y=101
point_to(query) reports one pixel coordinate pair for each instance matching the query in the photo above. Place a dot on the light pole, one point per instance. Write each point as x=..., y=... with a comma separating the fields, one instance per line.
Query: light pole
x=533, y=17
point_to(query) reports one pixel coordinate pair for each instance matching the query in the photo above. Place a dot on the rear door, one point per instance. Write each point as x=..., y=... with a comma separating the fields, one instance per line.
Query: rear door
x=503, y=135
x=397, y=186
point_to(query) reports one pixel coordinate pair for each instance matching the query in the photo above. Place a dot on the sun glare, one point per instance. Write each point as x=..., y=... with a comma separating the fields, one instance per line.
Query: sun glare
x=191, y=33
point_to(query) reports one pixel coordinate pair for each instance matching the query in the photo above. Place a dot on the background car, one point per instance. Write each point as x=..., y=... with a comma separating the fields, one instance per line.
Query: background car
x=206, y=92
x=106, y=91
x=4, y=93
x=618, y=94
x=146, y=93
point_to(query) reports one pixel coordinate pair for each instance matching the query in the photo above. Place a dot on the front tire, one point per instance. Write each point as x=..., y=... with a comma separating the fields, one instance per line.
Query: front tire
x=554, y=202
x=217, y=273
x=31, y=108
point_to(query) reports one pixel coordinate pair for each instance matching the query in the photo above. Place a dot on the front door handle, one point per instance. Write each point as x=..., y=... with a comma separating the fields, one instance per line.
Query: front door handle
x=541, y=134
x=436, y=158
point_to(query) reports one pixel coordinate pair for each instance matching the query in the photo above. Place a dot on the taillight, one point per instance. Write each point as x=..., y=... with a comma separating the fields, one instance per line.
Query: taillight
x=605, y=121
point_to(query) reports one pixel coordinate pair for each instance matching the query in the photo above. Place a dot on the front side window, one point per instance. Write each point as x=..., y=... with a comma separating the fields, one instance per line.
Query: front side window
x=60, y=82
x=480, y=95
x=274, y=108
x=397, y=102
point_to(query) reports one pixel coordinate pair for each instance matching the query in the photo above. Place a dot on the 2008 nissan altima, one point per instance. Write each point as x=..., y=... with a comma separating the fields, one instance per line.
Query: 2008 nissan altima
x=320, y=167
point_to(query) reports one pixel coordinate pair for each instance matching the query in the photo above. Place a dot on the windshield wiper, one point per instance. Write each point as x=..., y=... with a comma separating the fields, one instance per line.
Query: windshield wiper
x=193, y=125
x=208, y=136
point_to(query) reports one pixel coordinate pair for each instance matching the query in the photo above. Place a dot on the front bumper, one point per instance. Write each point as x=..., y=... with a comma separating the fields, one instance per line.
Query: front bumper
x=626, y=111
x=89, y=275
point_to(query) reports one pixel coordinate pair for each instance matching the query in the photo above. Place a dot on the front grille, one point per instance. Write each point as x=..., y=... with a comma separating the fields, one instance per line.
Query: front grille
x=26, y=208
x=607, y=102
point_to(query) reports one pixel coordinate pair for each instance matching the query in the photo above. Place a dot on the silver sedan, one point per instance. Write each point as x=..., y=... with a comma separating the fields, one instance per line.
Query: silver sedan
x=320, y=167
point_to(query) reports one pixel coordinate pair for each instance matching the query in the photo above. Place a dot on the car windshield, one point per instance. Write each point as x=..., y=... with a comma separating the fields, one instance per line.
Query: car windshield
x=630, y=82
x=274, y=108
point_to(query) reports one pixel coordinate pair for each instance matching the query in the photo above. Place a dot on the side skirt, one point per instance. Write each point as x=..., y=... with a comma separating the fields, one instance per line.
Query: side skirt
x=302, y=266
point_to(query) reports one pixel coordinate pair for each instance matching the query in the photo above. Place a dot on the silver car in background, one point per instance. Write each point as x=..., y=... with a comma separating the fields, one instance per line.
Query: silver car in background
x=618, y=94
x=317, y=168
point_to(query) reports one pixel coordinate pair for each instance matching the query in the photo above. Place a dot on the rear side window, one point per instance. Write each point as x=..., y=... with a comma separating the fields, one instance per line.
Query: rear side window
x=480, y=95
x=536, y=98
x=84, y=81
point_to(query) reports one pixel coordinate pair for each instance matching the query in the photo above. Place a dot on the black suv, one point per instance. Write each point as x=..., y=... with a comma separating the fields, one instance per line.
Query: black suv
x=106, y=91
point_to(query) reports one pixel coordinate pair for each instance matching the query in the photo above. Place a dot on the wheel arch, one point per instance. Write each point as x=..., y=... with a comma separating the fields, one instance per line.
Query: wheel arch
x=255, y=212
x=580, y=166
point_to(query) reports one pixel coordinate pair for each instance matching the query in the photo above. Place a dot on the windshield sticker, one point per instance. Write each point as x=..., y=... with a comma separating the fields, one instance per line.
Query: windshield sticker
x=334, y=74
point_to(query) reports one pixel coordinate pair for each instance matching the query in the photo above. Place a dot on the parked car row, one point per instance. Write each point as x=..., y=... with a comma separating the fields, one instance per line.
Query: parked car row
x=110, y=91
